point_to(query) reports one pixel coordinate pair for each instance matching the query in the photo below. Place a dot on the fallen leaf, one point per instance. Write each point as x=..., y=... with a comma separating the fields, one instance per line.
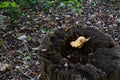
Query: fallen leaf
x=4, y=67
x=23, y=37
x=26, y=58
x=35, y=49
x=1, y=42
x=118, y=20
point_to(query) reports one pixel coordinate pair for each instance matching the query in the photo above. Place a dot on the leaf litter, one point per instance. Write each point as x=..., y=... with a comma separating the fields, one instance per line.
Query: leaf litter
x=19, y=40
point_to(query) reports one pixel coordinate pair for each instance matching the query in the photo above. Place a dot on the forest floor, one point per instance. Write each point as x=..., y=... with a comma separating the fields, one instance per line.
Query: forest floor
x=19, y=40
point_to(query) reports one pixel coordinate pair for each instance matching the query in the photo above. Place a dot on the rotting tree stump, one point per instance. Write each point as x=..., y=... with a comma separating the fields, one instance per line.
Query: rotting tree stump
x=98, y=59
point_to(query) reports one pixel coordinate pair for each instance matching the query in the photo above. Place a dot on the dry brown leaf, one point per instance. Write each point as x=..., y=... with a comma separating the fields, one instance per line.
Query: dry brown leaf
x=4, y=67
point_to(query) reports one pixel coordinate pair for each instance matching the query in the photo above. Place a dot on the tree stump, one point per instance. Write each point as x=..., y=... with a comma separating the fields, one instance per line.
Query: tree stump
x=98, y=59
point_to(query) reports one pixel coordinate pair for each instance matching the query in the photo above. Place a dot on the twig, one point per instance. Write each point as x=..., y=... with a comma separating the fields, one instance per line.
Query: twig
x=26, y=74
x=26, y=47
x=11, y=70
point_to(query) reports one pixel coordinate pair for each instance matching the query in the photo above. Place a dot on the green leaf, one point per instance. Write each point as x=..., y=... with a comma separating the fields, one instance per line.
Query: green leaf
x=26, y=58
x=7, y=4
x=13, y=4
x=74, y=10
x=61, y=5
x=80, y=10
x=118, y=20
x=33, y=1
x=44, y=30
x=4, y=4
x=79, y=5
x=93, y=3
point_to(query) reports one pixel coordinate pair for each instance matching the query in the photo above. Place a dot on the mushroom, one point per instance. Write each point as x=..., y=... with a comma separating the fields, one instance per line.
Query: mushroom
x=78, y=43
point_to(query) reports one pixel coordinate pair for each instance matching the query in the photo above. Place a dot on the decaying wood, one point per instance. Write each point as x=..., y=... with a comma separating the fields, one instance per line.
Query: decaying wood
x=98, y=59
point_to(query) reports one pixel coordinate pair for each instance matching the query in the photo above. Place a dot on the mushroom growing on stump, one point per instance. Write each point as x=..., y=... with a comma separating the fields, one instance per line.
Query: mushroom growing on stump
x=78, y=53
x=78, y=43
